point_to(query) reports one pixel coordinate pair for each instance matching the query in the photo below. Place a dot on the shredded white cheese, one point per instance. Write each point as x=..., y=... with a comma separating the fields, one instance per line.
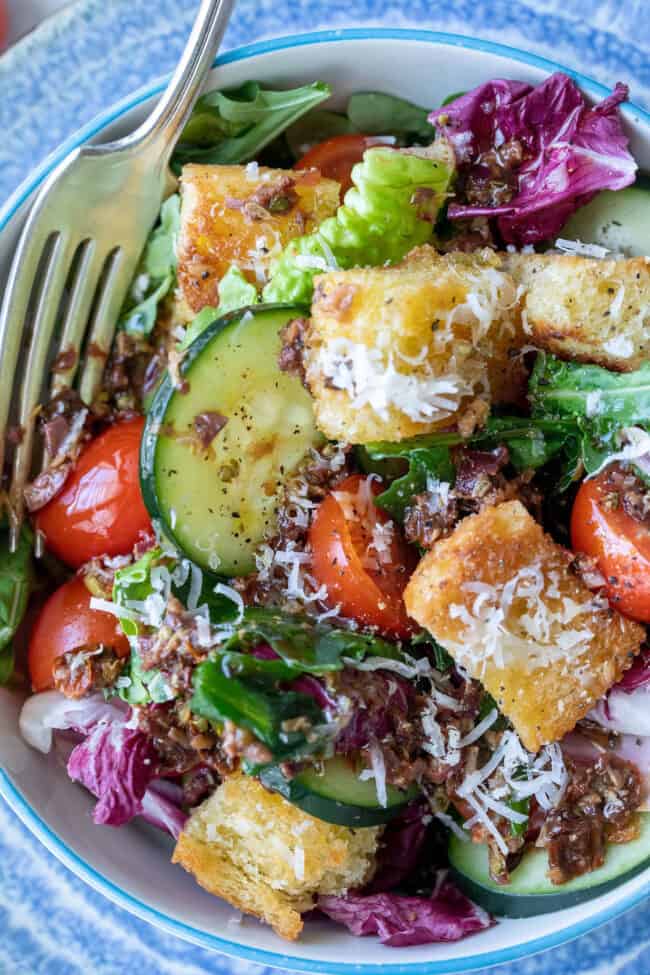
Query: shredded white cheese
x=379, y=772
x=526, y=619
x=370, y=381
x=580, y=249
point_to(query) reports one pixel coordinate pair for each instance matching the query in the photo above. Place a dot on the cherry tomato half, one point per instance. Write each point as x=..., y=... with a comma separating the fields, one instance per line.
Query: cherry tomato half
x=601, y=528
x=336, y=156
x=100, y=510
x=66, y=623
x=360, y=558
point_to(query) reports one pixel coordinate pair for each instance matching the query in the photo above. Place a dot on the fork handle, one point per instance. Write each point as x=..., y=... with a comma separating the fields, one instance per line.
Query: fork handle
x=163, y=127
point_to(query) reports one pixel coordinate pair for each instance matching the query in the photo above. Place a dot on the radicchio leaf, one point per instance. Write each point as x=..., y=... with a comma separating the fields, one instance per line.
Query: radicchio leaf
x=400, y=847
x=380, y=704
x=571, y=151
x=116, y=763
x=402, y=921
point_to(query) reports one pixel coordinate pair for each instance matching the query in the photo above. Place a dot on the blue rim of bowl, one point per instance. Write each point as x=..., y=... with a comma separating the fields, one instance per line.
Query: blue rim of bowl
x=12, y=794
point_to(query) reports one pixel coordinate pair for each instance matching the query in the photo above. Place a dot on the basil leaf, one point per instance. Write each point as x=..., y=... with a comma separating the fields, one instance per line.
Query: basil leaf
x=232, y=126
x=374, y=113
x=16, y=581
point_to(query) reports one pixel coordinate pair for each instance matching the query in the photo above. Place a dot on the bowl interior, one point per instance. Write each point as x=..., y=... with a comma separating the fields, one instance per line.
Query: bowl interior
x=132, y=865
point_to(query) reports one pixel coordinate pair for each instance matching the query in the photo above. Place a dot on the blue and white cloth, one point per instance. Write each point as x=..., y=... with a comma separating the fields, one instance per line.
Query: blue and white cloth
x=88, y=57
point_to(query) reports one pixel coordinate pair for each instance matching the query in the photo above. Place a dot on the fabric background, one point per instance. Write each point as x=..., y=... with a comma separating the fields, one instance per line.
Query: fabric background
x=55, y=80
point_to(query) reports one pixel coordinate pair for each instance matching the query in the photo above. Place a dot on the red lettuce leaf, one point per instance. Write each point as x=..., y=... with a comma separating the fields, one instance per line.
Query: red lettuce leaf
x=571, y=151
x=402, y=921
x=116, y=763
x=637, y=676
x=380, y=704
x=401, y=845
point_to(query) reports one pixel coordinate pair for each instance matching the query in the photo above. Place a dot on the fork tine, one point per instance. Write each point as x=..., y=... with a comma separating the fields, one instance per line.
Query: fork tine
x=77, y=312
x=44, y=318
x=110, y=298
x=15, y=303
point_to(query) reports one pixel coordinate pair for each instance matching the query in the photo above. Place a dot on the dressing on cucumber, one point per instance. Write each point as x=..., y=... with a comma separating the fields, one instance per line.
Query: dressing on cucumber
x=217, y=501
x=336, y=793
x=618, y=220
x=530, y=891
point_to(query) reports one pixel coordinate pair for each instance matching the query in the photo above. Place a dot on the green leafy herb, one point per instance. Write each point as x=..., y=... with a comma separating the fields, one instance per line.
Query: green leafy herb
x=531, y=443
x=156, y=274
x=521, y=806
x=374, y=113
x=380, y=220
x=232, y=126
x=257, y=704
x=316, y=127
x=303, y=645
x=16, y=580
x=235, y=291
x=591, y=405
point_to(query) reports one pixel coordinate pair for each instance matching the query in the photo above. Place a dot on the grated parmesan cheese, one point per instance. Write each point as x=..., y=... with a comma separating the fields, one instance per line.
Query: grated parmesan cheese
x=579, y=249
x=379, y=772
x=526, y=619
x=369, y=381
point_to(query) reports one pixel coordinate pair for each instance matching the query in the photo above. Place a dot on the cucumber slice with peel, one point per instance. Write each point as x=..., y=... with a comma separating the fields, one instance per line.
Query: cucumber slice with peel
x=217, y=501
x=530, y=891
x=616, y=219
x=335, y=793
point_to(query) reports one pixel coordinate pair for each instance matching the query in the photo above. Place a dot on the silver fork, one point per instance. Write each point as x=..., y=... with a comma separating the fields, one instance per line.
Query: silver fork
x=83, y=238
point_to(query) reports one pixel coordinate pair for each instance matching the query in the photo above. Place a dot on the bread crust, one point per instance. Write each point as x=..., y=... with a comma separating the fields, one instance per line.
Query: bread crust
x=543, y=691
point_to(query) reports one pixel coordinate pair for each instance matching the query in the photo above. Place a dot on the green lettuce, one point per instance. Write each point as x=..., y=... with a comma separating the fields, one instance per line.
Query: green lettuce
x=16, y=582
x=156, y=273
x=531, y=442
x=375, y=113
x=232, y=126
x=391, y=208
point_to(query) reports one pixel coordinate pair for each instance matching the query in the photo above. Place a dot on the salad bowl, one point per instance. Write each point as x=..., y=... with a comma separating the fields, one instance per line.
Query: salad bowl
x=131, y=866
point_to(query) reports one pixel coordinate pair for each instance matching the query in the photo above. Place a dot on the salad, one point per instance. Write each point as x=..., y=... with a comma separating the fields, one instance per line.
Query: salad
x=343, y=579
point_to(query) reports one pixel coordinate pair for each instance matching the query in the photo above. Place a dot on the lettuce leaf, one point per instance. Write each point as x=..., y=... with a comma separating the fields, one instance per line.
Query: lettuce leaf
x=156, y=273
x=570, y=151
x=232, y=126
x=16, y=581
x=391, y=208
x=399, y=921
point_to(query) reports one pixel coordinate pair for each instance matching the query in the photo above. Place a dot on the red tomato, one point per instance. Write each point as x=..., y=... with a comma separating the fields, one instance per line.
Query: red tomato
x=65, y=623
x=621, y=545
x=367, y=580
x=100, y=510
x=336, y=156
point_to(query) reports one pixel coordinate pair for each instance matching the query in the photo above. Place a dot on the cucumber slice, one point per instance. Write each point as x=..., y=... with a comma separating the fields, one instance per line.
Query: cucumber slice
x=217, y=503
x=530, y=891
x=337, y=794
x=616, y=219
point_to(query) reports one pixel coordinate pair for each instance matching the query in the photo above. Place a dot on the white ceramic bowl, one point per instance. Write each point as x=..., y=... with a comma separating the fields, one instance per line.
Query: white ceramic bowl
x=131, y=865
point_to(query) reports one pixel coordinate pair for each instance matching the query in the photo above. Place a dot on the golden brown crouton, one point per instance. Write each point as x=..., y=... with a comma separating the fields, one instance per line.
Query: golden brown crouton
x=268, y=858
x=394, y=352
x=499, y=595
x=243, y=216
x=586, y=309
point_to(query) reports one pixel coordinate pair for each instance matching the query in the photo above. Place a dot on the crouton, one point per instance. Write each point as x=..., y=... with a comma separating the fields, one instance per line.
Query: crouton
x=500, y=596
x=268, y=858
x=399, y=351
x=243, y=216
x=586, y=309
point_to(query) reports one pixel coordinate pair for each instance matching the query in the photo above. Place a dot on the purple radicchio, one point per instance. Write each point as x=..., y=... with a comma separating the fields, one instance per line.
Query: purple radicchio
x=400, y=848
x=447, y=915
x=380, y=704
x=565, y=151
x=114, y=761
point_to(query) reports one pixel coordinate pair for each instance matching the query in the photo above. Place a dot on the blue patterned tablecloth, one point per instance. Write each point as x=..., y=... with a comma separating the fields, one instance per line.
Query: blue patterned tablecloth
x=50, y=84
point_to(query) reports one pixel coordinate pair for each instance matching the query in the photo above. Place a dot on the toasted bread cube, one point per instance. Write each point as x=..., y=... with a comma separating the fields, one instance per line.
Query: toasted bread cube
x=394, y=352
x=243, y=216
x=268, y=858
x=587, y=309
x=499, y=595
